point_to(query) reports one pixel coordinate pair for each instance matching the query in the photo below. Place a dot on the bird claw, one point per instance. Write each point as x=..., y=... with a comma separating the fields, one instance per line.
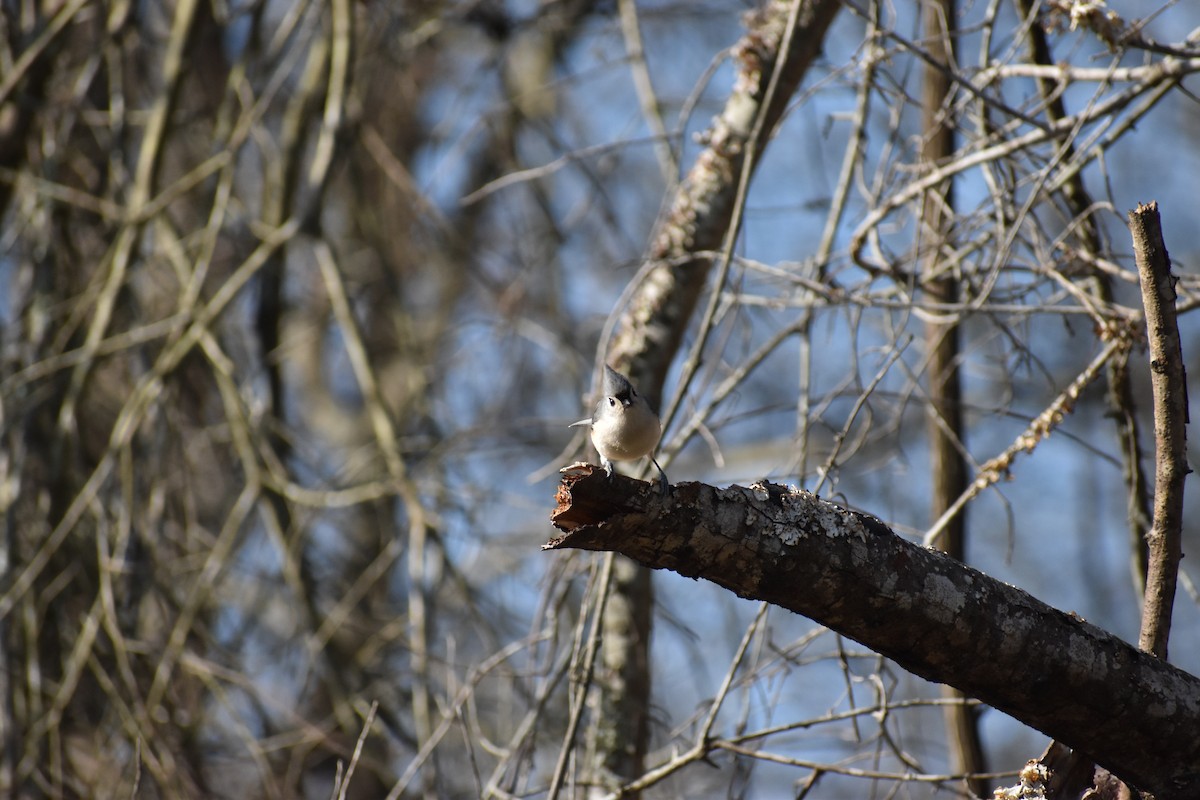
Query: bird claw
x=664, y=487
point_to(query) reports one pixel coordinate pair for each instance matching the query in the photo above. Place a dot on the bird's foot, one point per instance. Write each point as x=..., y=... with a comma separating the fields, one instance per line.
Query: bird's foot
x=664, y=487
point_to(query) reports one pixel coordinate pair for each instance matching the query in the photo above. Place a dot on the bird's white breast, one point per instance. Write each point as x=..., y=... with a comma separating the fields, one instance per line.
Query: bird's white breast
x=627, y=434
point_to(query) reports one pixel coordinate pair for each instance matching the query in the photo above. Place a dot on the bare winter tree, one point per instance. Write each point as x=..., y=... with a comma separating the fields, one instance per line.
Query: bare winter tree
x=298, y=299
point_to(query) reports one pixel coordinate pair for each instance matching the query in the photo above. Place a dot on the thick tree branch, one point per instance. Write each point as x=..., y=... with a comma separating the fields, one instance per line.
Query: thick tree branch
x=1132, y=713
x=1170, y=425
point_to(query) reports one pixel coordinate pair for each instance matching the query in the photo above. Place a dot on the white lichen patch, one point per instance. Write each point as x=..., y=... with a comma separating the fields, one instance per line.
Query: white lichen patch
x=790, y=514
x=888, y=587
x=1082, y=651
x=789, y=535
x=945, y=599
x=835, y=522
x=752, y=517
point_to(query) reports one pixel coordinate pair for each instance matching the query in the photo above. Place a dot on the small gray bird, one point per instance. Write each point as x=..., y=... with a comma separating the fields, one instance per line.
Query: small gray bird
x=624, y=427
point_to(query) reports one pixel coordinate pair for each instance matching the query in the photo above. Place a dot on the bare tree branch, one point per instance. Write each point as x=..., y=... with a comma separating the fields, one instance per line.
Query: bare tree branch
x=1169, y=380
x=703, y=207
x=1134, y=714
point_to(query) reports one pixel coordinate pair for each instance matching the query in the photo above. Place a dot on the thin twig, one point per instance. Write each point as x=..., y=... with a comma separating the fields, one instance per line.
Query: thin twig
x=358, y=748
x=1037, y=430
x=1169, y=382
x=587, y=663
x=668, y=162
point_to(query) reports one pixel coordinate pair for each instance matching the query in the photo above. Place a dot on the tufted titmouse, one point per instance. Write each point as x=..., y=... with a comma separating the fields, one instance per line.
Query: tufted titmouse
x=624, y=428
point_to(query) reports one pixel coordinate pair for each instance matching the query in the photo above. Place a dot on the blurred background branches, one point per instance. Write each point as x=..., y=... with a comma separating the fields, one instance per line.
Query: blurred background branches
x=298, y=298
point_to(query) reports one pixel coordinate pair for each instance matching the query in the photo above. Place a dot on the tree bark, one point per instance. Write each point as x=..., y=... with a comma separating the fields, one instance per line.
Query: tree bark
x=1132, y=713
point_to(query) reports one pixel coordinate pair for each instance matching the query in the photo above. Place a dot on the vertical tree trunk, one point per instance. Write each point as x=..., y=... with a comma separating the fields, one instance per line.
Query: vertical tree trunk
x=949, y=470
x=618, y=739
x=783, y=38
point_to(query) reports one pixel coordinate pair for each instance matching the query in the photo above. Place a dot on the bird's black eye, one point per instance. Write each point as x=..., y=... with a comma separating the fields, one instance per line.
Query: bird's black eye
x=612, y=402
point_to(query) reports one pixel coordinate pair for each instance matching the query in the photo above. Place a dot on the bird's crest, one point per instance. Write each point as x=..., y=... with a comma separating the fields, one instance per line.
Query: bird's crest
x=617, y=385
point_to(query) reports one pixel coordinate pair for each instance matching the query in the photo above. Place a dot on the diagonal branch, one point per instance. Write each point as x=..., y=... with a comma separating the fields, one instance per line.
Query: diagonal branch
x=782, y=41
x=1134, y=714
